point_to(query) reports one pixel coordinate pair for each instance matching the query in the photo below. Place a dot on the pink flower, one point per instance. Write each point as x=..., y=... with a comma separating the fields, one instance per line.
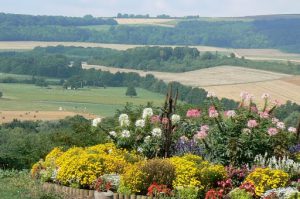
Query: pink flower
x=244, y=95
x=212, y=112
x=165, y=120
x=230, y=113
x=280, y=125
x=254, y=109
x=193, y=113
x=276, y=103
x=292, y=130
x=272, y=131
x=264, y=114
x=205, y=128
x=201, y=135
x=155, y=119
x=252, y=124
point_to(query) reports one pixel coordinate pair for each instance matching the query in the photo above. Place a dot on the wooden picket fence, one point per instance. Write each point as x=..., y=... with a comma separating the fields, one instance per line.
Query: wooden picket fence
x=73, y=193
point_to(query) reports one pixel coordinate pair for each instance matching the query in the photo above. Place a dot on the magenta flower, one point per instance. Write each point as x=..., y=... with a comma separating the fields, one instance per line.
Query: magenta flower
x=193, y=113
x=264, y=114
x=212, y=112
x=201, y=135
x=165, y=120
x=155, y=119
x=254, y=109
x=252, y=124
x=272, y=131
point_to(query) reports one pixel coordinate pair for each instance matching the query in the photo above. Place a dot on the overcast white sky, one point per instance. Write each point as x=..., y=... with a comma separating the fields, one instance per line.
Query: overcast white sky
x=108, y=8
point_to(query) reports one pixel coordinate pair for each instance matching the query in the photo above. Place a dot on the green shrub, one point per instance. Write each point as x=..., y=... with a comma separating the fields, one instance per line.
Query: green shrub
x=188, y=192
x=239, y=194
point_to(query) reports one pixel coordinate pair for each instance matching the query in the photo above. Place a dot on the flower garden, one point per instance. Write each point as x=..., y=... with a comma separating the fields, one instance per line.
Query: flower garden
x=208, y=153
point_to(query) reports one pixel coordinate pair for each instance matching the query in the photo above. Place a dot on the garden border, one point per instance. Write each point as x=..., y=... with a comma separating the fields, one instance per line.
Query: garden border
x=74, y=193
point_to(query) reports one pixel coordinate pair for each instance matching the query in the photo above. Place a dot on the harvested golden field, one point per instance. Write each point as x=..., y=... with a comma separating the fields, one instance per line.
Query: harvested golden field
x=278, y=89
x=8, y=116
x=229, y=81
x=222, y=75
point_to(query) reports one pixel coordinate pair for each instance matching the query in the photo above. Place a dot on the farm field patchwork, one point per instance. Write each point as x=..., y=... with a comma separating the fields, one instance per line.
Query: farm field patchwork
x=96, y=101
x=253, y=54
x=229, y=81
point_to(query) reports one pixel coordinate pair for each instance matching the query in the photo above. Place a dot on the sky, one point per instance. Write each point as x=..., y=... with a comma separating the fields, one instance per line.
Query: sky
x=109, y=8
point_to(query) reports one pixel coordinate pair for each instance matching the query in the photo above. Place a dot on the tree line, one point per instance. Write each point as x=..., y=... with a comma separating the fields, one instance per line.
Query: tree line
x=30, y=20
x=281, y=33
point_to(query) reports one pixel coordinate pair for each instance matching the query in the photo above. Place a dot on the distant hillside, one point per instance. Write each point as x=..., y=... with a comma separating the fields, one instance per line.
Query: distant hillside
x=274, y=31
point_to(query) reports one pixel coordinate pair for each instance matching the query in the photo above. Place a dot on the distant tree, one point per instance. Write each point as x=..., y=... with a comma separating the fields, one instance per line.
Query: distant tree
x=131, y=91
x=1, y=94
x=232, y=55
x=41, y=82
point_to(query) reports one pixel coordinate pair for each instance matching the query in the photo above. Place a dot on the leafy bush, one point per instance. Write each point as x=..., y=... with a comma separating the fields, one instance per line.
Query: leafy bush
x=239, y=194
x=265, y=179
x=187, y=192
x=160, y=171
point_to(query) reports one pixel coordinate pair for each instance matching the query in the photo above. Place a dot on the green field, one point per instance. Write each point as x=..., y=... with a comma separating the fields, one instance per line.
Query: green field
x=100, y=101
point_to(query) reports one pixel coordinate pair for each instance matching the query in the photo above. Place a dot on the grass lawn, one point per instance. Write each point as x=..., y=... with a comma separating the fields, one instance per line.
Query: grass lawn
x=99, y=101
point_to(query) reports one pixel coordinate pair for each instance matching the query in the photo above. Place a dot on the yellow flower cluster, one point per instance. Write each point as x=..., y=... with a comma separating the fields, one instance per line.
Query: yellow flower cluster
x=52, y=156
x=265, y=179
x=191, y=170
x=82, y=166
x=186, y=172
x=133, y=177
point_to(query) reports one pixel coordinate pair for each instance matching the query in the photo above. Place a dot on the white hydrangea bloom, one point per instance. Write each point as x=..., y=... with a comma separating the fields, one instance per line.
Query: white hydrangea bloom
x=147, y=112
x=156, y=132
x=175, y=118
x=96, y=121
x=113, y=133
x=280, y=125
x=140, y=123
x=147, y=139
x=292, y=130
x=125, y=134
x=211, y=94
x=124, y=120
x=140, y=149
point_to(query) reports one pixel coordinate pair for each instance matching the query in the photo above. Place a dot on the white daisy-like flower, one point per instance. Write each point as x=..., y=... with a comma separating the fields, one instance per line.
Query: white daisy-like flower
x=113, y=133
x=147, y=112
x=292, y=130
x=265, y=96
x=124, y=120
x=156, y=132
x=125, y=134
x=175, y=118
x=280, y=125
x=96, y=121
x=211, y=94
x=147, y=139
x=140, y=123
x=140, y=149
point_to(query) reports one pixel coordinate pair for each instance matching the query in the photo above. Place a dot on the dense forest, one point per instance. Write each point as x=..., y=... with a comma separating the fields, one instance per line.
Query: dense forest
x=282, y=33
x=168, y=59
